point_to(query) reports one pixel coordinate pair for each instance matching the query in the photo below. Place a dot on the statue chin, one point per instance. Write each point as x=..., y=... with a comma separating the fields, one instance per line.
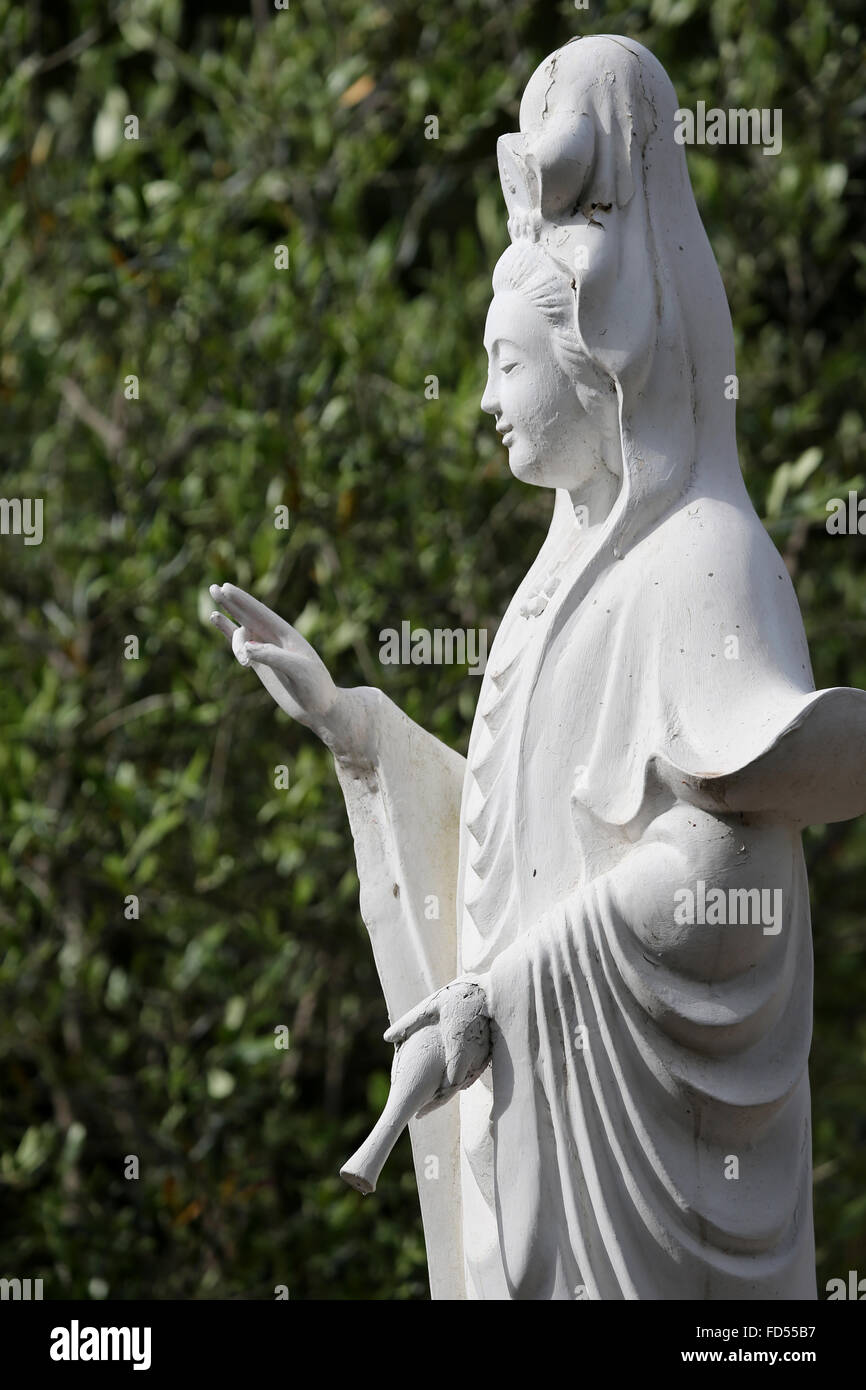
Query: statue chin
x=539, y=470
x=530, y=466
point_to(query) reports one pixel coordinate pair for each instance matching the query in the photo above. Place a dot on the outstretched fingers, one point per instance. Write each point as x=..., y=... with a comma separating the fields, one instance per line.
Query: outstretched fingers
x=238, y=637
x=256, y=617
x=269, y=654
x=225, y=625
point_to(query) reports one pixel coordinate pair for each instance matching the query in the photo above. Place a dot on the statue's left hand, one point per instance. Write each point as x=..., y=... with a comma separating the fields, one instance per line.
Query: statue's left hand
x=460, y=1014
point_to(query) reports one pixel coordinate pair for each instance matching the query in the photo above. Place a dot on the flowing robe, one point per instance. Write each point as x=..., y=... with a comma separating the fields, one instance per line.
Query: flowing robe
x=647, y=722
x=643, y=1130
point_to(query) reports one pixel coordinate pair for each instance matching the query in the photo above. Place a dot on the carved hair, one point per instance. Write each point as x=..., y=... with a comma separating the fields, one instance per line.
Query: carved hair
x=528, y=270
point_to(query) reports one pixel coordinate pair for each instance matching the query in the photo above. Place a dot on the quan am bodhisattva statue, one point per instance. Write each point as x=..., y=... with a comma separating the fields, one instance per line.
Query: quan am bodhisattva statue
x=608, y=1027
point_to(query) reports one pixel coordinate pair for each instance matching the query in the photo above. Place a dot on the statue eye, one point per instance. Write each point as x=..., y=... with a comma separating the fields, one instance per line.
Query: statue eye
x=509, y=367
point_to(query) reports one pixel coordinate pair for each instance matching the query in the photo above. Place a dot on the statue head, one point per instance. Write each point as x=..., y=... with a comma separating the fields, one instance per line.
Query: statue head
x=555, y=408
x=609, y=335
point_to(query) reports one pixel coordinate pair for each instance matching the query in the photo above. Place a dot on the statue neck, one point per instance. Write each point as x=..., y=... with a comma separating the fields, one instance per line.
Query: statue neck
x=593, y=499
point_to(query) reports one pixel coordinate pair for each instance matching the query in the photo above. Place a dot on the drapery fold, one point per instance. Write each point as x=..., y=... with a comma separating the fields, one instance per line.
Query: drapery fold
x=664, y=1169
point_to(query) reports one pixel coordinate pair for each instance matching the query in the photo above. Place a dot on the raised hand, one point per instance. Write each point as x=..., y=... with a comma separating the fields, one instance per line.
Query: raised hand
x=291, y=671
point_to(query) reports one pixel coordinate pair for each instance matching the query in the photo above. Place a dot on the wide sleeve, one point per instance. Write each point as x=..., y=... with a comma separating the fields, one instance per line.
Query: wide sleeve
x=403, y=804
x=807, y=768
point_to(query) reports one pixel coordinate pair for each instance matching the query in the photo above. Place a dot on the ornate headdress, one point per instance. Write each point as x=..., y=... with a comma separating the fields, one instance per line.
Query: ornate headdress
x=595, y=180
x=570, y=163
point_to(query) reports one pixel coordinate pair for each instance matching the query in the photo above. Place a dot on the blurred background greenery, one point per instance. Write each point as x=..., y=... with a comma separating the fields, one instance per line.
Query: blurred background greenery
x=304, y=127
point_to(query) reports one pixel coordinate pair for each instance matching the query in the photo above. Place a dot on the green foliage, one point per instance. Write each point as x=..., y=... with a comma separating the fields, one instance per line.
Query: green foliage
x=305, y=388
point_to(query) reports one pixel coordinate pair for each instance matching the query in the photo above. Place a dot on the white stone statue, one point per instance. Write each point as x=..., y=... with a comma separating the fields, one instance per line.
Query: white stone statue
x=608, y=1027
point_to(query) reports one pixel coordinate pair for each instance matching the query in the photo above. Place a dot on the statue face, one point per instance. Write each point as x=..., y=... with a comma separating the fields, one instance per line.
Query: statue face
x=559, y=431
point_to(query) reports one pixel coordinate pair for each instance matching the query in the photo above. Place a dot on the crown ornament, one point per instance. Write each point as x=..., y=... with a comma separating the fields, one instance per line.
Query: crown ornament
x=544, y=172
